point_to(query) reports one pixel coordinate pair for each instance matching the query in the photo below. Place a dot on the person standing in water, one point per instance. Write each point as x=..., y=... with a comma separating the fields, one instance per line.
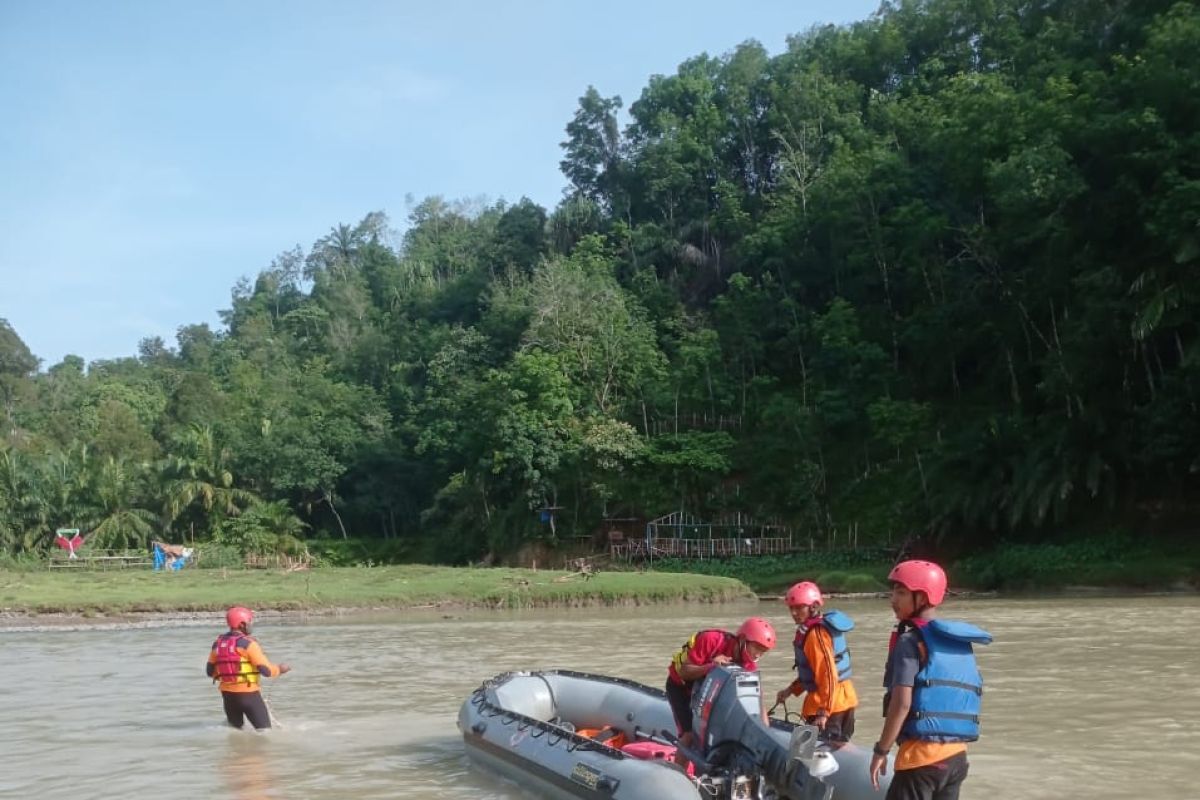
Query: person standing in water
x=237, y=664
x=932, y=690
x=822, y=664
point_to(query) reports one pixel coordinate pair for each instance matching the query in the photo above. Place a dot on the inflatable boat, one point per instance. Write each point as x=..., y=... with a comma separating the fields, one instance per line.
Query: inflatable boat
x=569, y=734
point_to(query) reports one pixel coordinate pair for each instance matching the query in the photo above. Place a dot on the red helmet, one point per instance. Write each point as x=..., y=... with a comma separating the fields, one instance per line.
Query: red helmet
x=238, y=615
x=921, y=576
x=805, y=593
x=759, y=631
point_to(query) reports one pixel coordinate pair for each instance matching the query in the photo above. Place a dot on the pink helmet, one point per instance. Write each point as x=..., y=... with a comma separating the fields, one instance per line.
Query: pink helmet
x=238, y=615
x=805, y=593
x=759, y=631
x=921, y=576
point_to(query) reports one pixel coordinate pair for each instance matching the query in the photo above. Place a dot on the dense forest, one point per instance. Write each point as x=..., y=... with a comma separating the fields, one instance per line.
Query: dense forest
x=922, y=275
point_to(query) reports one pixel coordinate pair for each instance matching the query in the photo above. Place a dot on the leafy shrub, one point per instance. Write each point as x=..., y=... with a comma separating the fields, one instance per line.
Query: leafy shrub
x=264, y=529
x=850, y=582
x=21, y=562
x=1103, y=560
x=362, y=552
x=215, y=554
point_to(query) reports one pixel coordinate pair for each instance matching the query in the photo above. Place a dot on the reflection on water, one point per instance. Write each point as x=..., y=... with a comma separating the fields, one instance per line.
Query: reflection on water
x=1093, y=698
x=248, y=769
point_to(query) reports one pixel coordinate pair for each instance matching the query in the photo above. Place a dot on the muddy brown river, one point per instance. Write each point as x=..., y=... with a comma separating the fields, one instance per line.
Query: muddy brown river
x=1085, y=698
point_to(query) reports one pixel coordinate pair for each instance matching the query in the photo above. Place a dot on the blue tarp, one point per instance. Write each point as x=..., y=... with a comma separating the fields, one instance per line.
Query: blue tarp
x=170, y=556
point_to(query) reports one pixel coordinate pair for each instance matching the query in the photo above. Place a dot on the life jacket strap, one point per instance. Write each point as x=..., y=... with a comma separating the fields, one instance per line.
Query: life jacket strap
x=970, y=687
x=945, y=715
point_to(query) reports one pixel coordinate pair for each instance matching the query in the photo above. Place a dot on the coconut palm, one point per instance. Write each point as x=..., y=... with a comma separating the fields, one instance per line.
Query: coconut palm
x=55, y=496
x=199, y=475
x=120, y=522
x=266, y=528
x=11, y=490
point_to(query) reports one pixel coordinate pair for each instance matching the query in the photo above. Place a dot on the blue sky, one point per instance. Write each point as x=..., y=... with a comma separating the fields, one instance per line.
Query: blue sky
x=151, y=153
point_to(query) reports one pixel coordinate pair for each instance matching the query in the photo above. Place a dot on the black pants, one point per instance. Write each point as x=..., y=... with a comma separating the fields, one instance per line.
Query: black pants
x=680, y=699
x=939, y=781
x=249, y=705
x=839, y=727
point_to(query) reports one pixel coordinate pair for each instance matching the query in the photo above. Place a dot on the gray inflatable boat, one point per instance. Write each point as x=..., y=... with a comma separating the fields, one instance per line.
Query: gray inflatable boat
x=568, y=734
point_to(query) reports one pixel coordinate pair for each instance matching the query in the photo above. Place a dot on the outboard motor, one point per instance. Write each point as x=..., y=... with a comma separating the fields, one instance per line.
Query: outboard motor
x=734, y=740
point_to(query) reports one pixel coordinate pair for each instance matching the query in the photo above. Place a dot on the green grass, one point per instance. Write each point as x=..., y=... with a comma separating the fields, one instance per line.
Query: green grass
x=83, y=592
x=1116, y=560
x=833, y=571
x=1110, y=561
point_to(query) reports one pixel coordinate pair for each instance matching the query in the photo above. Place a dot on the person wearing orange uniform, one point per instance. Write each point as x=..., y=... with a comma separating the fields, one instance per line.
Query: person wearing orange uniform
x=933, y=690
x=822, y=664
x=237, y=664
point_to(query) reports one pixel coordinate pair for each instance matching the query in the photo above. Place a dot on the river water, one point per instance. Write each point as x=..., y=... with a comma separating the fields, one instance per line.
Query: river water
x=1086, y=698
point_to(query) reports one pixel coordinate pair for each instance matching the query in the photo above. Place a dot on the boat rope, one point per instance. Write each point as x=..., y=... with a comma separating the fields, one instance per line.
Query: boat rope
x=275, y=723
x=787, y=715
x=628, y=684
x=554, y=733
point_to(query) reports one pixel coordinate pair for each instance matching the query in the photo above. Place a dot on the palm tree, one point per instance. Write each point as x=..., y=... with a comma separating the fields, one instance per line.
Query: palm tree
x=120, y=521
x=335, y=251
x=280, y=520
x=200, y=474
x=55, y=496
x=11, y=492
x=266, y=528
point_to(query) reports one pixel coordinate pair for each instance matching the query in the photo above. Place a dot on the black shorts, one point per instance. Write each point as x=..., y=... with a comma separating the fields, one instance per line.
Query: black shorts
x=839, y=727
x=680, y=698
x=938, y=781
x=240, y=706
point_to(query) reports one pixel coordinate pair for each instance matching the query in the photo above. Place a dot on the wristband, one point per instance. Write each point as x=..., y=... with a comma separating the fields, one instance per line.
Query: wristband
x=880, y=751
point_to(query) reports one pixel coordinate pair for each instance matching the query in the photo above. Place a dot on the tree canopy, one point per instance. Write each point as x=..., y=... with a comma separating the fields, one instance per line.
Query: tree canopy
x=925, y=274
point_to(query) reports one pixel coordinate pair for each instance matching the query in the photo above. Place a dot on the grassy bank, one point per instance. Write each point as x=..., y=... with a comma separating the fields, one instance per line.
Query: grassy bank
x=841, y=571
x=1114, y=561
x=85, y=592
x=1117, y=561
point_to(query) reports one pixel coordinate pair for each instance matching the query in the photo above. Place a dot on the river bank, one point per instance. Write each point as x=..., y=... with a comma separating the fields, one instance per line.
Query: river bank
x=1113, y=566
x=1109, y=564
x=97, y=595
x=35, y=621
x=121, y=618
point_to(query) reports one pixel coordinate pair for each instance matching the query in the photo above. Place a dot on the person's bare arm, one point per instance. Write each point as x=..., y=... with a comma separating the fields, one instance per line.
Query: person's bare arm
x=897, y=712
x=694, y=672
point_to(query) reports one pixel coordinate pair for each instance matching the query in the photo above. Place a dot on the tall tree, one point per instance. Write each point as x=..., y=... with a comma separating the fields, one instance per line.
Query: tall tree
x=593, y=160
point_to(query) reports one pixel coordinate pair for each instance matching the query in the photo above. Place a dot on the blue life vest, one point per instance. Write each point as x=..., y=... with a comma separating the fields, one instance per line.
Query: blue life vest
x=948, y=690
x=837, y=624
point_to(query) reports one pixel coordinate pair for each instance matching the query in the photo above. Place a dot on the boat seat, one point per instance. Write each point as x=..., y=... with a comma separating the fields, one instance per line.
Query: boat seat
x=529, y=695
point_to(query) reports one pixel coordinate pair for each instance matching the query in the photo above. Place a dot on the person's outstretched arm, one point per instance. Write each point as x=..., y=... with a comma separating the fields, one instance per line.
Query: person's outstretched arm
x=258, y=659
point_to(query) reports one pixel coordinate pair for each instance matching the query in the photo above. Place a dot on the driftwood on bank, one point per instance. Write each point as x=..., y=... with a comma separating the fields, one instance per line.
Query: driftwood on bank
x=582, y=566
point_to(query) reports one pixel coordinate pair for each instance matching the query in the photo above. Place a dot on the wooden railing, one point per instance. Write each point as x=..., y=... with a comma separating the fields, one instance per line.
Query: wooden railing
x=641, y=550
x=100, y=559
x=279, y=561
